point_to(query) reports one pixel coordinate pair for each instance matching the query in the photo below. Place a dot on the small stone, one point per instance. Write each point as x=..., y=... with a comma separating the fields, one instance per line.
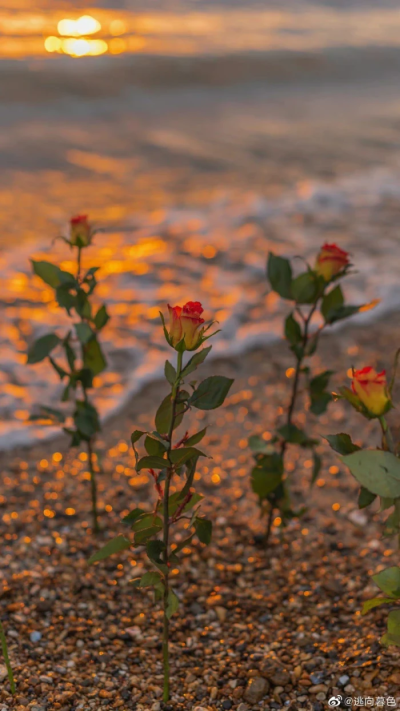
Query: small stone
x=213, y=693
x=280, y=678
x=317, y=688
x=256, y=689
x=46, y=679
x=321, y=696
x=35, y=636
x=156, y=706
x=243, y=707
x=3, y=672
x=317, y=677
x=349, y=688
x=227, y=704
x=221, y=613
x=343, y=680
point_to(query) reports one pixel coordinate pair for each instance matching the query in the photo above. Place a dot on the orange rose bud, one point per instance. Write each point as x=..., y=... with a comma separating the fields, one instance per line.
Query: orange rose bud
x=185, y=323
x=331, y=260
x=371, y=389
x=80, y=231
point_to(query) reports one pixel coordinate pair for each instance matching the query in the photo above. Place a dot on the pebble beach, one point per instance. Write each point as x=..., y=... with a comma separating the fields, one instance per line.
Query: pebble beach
x=258, y=628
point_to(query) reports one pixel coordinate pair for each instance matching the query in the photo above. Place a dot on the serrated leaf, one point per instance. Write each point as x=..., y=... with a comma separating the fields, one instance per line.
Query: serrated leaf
x=342, y=443
x=41, y=348
x=118, y=544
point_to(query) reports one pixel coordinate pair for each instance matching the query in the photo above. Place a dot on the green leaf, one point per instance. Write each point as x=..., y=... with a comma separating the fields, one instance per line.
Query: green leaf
x=118, y=544
x=388, y=581
x=86, y=419
x=151, y=462
x=305, y=288
x=173, y=603
x=164, y=415
x=64, y=297
x=293, y=435
x=41, y=348
x=258, y=445
x=343, y=312
x=266, y=476
x=332, y=301
x=84, y=332
x=211, y=393
x=375, y=602
x=175, y=501
x=93, y=357
x=196, y=438
x=203, y=529
x=170, y=372
x=154, y=447
x=196, y=360
x=317, y=463
x=181, y=456
x=155, y=550
x=59, y=370
x=320, y=399
x=376, y=470
x=149, y=579
x=149, y=520
x=49, y=273
x=136, y=435
x=133, y=515
x=101, y=318
x=293, y=330
x=49, y=413
x=392, y=637
x=279, y=273
x=365, y=498
x=142, y=537
x=342, y=443
x=319, y=403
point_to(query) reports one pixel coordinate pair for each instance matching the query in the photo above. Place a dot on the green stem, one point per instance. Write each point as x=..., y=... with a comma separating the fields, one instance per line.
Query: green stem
x=387, y=438
x=292, y=404
x=7, y=658
x=93, y=484
x=165, y=640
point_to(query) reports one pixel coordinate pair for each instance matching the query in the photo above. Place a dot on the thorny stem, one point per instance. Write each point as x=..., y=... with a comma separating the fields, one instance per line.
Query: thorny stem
x=165, y=642
x=7, y=658
x=293, y=399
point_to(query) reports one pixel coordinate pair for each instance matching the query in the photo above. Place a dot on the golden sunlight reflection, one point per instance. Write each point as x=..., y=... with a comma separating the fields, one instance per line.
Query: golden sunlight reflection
x=26, y=32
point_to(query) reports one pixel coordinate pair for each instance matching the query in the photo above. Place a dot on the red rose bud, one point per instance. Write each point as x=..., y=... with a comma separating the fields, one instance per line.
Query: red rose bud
x=371, y=389
x=80, y=231
x=185, y=323
x=331, y=260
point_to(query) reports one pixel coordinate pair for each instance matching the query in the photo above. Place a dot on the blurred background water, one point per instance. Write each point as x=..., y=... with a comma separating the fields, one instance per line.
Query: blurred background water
x=199, y=135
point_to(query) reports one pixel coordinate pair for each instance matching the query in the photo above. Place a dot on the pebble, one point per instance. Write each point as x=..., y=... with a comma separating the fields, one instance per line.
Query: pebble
x=343, y=680
x=256, y=689
x=35, y=636
x=243, y=707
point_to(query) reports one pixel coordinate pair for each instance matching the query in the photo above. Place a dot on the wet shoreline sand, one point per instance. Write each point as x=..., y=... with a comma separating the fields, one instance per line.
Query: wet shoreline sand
x=287, y=617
